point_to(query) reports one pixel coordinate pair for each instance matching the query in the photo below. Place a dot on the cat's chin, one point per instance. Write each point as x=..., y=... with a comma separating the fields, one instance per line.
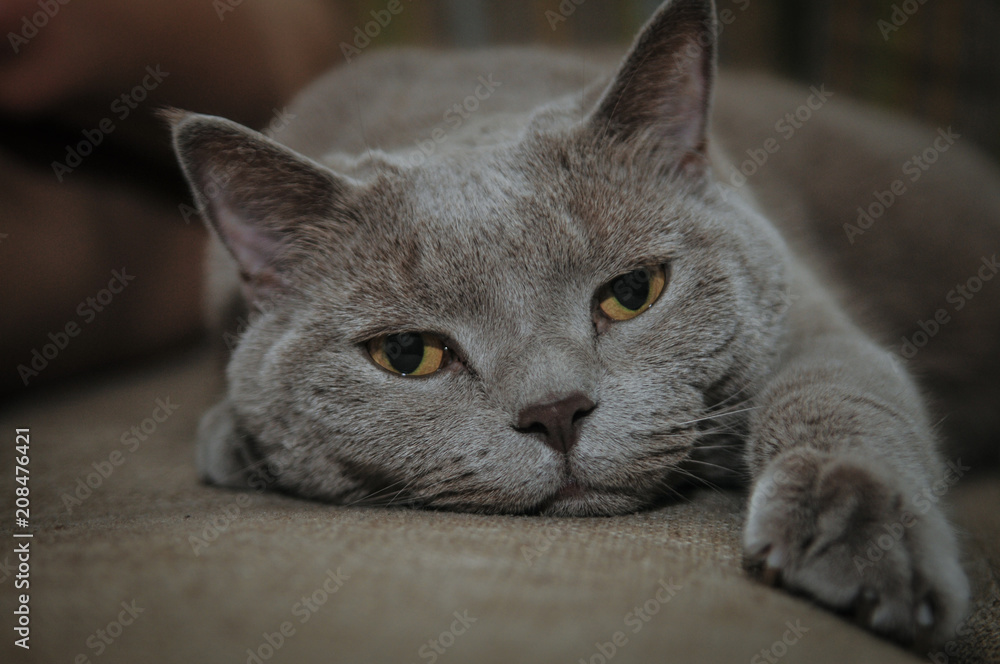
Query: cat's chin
x=585, y=502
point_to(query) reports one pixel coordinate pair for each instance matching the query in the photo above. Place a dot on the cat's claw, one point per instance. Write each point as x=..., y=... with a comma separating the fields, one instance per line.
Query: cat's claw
x=925, y=615
x=834, y=529
x=766, y=563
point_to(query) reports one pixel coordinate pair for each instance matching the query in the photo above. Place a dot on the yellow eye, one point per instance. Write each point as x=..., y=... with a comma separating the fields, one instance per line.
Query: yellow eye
x=408, y=354
x=627, y=296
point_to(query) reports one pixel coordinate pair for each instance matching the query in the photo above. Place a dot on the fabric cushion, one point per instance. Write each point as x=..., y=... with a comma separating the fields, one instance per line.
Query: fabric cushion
x=222, y=576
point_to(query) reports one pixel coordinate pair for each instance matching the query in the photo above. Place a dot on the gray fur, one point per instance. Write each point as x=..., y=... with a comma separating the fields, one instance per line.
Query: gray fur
x=498, y=242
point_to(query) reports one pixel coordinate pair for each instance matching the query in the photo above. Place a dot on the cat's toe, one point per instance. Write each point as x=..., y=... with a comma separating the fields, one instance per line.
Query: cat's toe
x=833, y=529
x=765, y=560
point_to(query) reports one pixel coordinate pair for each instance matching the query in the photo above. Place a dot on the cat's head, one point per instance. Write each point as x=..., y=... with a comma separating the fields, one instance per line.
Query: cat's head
x=540, y=324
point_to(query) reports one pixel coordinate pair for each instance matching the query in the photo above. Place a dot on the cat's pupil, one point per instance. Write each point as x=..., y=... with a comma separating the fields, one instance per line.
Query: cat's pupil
x=405, y=351
x=632, y=289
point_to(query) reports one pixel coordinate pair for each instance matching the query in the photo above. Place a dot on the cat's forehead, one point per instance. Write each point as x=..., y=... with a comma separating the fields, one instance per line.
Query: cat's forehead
x=518, y=203
x=501, y=234
x=479, y=183
x=482, y=233
x=487, y=207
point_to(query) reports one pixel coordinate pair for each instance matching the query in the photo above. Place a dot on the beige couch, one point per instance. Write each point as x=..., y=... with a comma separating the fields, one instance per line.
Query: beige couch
x=153, y=567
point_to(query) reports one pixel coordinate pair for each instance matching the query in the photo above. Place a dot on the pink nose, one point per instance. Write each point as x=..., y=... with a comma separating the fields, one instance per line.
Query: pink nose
x=556, y=420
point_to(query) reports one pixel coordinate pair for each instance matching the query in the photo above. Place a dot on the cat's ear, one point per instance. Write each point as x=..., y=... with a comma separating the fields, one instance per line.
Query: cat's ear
x=662, y=91
x=262, y=199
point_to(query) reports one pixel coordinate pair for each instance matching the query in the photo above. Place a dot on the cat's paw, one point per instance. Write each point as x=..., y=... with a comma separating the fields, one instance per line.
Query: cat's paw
x=837, y=530
x=221, y=455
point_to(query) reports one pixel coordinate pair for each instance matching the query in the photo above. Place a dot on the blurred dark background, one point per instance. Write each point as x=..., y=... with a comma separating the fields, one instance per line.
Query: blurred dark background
x=61, y=237
x=938, y=60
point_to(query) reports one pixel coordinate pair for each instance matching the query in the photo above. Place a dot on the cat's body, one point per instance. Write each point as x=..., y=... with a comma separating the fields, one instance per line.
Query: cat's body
x=496, y=227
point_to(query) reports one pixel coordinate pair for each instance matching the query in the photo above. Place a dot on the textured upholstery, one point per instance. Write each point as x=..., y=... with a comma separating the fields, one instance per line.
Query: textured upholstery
x=389, y=585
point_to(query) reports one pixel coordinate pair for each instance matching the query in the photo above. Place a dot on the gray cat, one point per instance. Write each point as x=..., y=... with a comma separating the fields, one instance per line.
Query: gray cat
x=504, y=282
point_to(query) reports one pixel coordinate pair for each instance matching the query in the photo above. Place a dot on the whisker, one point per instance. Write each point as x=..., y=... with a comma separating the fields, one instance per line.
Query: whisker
x=398, y=493
x=426, y=490
x=713, y=447
x=729, y=469
x=663, y=484
x=732, y=396
x=712, y=416
x=722, y=429
x=375, y=493
x=361, y=121
x=701, y=480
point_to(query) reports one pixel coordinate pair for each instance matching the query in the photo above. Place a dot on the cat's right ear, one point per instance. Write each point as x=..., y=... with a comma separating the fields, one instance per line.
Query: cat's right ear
x=662, y=91
x=263, y=200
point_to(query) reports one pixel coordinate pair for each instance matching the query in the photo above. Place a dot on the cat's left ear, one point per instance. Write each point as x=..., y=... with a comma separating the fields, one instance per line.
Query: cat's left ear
x=266, y=203
x=662, y=91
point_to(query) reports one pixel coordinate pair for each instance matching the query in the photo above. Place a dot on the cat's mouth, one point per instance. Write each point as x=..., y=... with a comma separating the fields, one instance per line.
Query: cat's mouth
x=566, y=499
x=570, y=489
x=575, y=499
